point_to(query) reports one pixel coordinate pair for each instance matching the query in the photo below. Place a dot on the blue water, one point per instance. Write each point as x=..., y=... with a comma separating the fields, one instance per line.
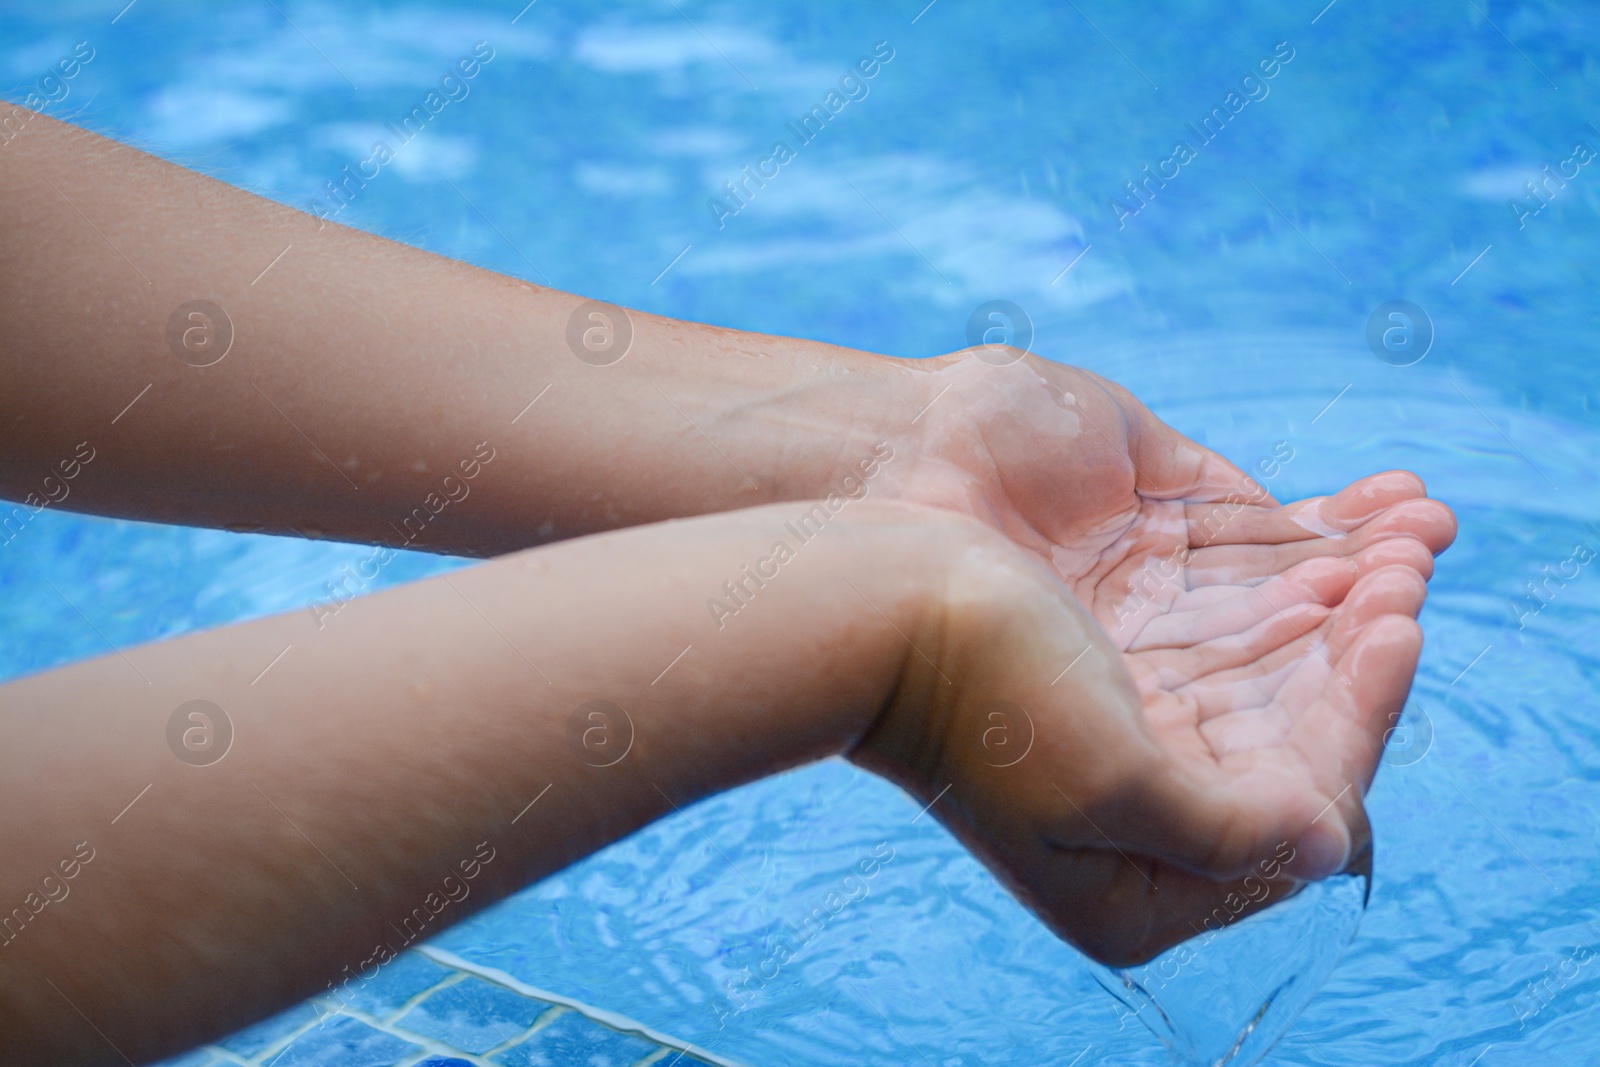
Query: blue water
x=1378, y=166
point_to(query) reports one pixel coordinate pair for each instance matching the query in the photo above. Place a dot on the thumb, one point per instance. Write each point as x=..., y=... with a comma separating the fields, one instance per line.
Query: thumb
x=1173, y=467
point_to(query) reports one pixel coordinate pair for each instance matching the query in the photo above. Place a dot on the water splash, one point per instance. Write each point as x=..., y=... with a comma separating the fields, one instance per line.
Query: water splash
x=1225, y=998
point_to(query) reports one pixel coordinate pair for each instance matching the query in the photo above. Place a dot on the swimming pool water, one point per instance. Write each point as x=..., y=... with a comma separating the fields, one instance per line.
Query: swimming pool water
x=1379, y=163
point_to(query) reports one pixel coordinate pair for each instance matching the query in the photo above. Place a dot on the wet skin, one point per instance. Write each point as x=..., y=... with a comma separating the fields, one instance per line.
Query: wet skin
x=1205, y=676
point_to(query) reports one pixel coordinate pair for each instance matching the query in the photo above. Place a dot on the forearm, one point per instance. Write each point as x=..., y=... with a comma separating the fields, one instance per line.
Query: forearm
x=362, y=374
x=373, y=759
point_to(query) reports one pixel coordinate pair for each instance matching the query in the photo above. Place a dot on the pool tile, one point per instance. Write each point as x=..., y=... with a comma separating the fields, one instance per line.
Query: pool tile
x=345, y=1042
x=674, y=1058
x=395, y=983
x=473, y=1015
x=575, y=1041
x=256, y=1039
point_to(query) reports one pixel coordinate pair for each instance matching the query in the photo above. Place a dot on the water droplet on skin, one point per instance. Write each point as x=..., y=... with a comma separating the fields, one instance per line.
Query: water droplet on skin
x=1311, y=519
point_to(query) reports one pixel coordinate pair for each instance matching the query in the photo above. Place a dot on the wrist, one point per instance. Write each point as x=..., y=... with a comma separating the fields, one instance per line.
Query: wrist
x=1020, y=693
x=849, y=410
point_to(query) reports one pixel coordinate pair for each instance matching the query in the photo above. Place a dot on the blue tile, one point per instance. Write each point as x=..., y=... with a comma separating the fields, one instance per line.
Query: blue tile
x=576, y=1041
x=473, y=1015
x=395, y=983
x=345, y=1042
x=268, y=1032
x=681, y=1059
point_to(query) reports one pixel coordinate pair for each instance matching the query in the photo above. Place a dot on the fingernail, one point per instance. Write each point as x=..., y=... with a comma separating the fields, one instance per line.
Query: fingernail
x=1323, y=850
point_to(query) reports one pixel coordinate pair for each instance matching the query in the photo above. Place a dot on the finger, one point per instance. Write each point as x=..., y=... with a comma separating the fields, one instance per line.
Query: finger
x=1429, y=521
x=1322, y=516
x=1308, y=791
x=1400, y=551
x=1426, y=521
x=1390, y=591
x=1172, y=467
x=1404, y=551
x=1176, y=667
x=1341, y=738
x=1345, y=735
x=1320, y=581
x=1256, y=705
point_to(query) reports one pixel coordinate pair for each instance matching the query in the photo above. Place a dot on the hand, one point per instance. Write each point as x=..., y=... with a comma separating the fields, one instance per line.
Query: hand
x=1230, y=709
x=1067, y=464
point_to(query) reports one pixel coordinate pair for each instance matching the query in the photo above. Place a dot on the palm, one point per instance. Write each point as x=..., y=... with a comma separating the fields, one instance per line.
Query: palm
x=1264, y=641
x=1254, y=631
x=1226, y=607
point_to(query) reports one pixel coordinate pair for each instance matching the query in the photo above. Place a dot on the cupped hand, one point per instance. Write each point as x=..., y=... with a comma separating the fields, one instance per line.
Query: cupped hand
x=1189, y=733
x=1069, y=465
